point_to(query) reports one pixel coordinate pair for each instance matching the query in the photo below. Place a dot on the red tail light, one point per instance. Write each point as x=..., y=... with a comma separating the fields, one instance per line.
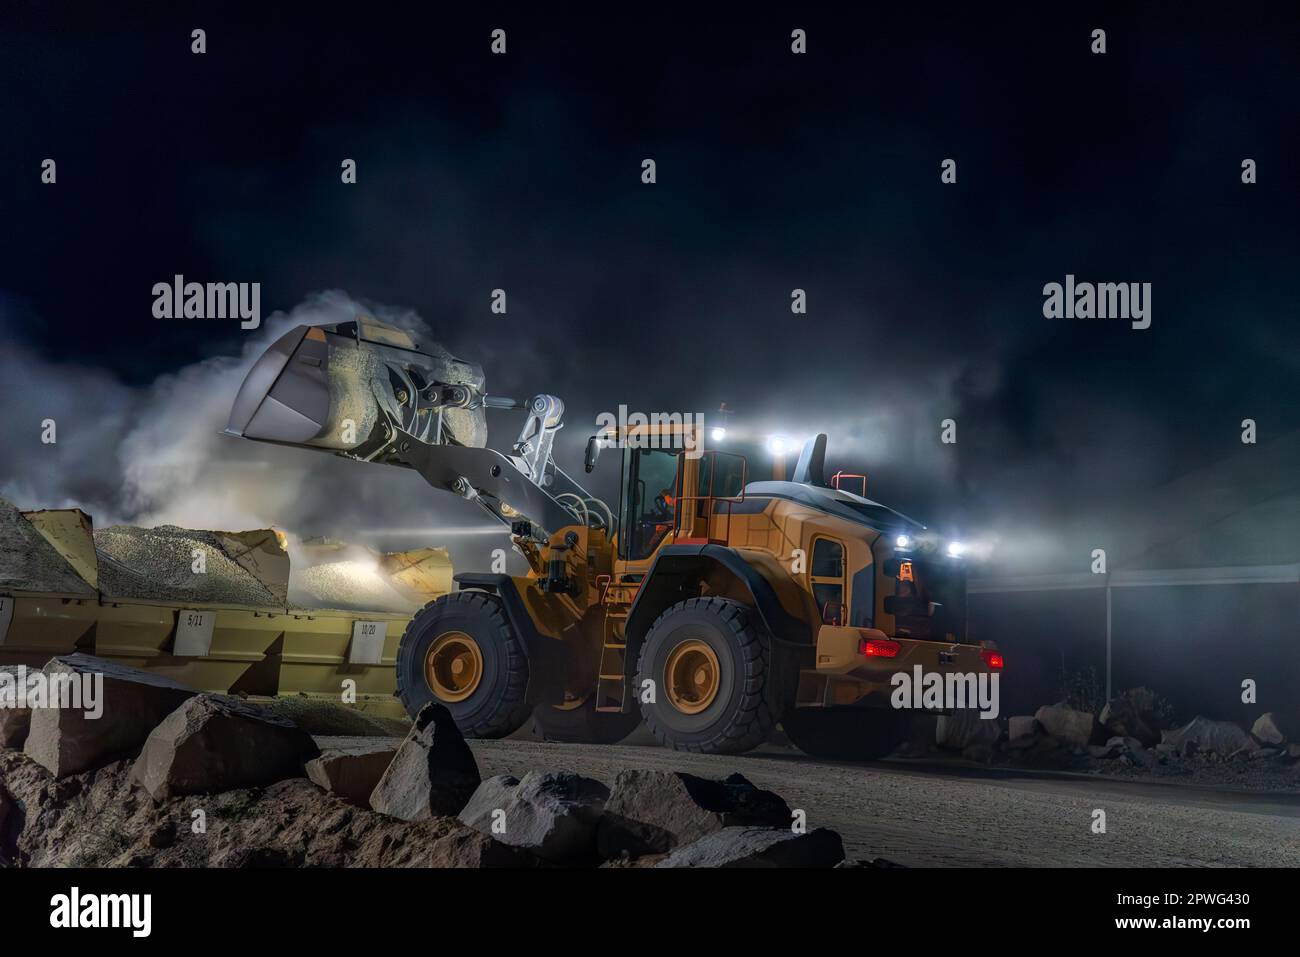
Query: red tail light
x=992, y=658
x=878, y=648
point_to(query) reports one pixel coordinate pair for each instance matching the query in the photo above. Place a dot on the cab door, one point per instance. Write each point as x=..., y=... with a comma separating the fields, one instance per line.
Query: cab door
x=646, y=507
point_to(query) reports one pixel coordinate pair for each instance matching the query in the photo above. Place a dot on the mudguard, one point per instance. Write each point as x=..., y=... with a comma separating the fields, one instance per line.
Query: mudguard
x=675, y=565
x=549, y=659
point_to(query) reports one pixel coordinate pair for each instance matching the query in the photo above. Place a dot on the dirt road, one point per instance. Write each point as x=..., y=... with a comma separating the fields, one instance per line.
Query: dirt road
x=970, y=817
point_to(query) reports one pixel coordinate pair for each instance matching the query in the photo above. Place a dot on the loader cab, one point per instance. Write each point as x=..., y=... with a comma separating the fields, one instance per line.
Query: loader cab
x=670, y=490
x=647, y=502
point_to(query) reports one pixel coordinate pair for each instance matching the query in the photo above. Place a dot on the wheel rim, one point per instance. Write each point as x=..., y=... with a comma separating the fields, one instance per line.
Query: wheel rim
x=571, y=704
x=453, y=666
x=692, y=676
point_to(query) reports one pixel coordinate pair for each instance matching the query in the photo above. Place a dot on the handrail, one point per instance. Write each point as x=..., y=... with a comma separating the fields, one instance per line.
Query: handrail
x=710, y=500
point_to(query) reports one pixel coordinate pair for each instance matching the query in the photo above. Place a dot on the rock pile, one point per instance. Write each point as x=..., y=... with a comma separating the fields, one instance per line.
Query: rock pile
x=164, y=776
x=1131, y=733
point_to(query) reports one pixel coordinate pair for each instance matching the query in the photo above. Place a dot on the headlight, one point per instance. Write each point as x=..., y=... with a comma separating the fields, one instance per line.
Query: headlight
x=902, y=541
x=718, y=434
x=777, y=444
x=956, y=549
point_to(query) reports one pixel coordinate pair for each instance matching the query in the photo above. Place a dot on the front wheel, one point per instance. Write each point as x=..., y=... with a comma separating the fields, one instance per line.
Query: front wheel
x=461, y=651
x=846, y=734
x=703, y=678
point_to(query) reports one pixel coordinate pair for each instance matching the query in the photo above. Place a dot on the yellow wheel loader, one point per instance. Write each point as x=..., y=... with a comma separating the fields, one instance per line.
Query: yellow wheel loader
x=709, y=606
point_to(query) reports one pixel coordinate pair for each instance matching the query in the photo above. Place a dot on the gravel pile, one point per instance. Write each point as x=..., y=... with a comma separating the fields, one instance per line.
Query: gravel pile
x=347, y=586
x=29, y=563
x=156, y=564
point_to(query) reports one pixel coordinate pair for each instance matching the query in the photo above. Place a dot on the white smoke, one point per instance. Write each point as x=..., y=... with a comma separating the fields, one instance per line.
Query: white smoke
x=156, y=455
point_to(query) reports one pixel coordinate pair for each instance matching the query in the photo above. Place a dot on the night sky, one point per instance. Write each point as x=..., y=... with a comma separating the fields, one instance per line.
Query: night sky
x=775, y=171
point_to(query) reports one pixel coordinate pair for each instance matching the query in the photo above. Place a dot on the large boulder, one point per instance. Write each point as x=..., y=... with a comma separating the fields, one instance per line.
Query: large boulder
x=1204, y=735
x=1268, y=729
x=120, y=708
x=652, y=812
x=352, y=768
x=1133, y=715
x=760, y=847
x=15, y=723
x=1071, y=727
x=15, y=716
x=1022, y=732
x=553, y=814
x=433, y=774
x=216, y=743
x=963, y=728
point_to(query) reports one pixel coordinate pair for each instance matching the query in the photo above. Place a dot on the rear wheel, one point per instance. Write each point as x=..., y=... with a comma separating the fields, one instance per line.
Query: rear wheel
x=578, y=722
x=461, y=651
x=709, y=662
x=846, y=734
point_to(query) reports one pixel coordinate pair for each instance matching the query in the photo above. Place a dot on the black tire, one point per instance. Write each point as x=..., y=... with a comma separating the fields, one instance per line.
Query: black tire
x=498, y=705
x=741, y=715
x=846, y=734
x=583, y=724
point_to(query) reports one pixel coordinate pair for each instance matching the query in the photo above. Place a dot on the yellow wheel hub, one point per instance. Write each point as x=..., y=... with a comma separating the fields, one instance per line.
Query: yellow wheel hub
x=453, y=666
x=570, y=703
x=692, y=676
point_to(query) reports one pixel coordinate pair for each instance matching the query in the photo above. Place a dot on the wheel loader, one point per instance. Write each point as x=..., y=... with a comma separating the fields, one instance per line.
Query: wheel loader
x=707, y=605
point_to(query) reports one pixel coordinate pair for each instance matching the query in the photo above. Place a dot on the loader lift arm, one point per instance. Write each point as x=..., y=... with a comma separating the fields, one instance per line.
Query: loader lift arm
x=496, y=482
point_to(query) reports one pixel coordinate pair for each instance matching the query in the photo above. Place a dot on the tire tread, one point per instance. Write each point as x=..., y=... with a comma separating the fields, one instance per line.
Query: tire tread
x=512, y=709
x=753, y=720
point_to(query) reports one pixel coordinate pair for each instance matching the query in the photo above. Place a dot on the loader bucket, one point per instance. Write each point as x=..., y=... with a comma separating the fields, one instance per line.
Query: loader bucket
x=328, y=387
x=369, y=391
x=285, y=397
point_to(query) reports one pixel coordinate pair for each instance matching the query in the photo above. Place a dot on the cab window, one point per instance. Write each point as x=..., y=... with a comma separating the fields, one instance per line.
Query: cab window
x=826, y=575
x=650, y=484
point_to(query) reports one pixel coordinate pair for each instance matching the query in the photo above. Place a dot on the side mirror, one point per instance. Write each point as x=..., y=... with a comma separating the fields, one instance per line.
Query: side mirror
x=593, y=453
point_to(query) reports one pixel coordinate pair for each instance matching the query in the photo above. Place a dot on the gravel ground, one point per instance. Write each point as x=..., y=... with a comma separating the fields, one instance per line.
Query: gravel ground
x=967, y=817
